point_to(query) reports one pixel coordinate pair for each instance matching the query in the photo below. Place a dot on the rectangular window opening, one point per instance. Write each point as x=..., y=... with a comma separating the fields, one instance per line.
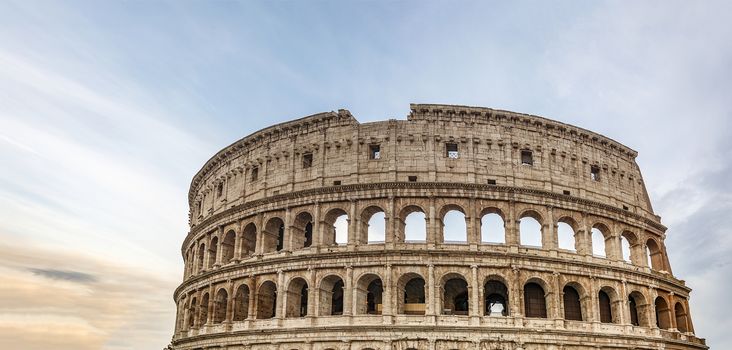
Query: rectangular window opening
x=566, y=192
x=491, y=182
x=255, y=173
x=337, y=183
x=527, y=158
x=625, y=207
x=595, y=173
x=307, y=160
x=451, y=150
x=374, y=151
x=412, y=179
x=220, y=189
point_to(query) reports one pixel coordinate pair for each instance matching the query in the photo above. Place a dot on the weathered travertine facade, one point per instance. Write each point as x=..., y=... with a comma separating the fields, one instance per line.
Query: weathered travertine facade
x=271, y=262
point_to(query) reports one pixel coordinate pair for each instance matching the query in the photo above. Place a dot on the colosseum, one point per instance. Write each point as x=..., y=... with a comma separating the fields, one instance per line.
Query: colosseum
x=458, y=228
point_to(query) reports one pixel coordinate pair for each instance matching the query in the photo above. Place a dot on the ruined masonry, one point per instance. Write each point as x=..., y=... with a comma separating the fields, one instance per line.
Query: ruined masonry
x=458, y=228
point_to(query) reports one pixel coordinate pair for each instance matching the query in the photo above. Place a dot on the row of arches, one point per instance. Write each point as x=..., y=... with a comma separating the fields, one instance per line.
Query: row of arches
x=409, y=296
x=413, y=225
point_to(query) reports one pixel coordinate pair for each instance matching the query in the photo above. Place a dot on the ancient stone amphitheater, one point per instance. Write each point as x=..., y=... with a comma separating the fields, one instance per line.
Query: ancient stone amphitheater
x=458, y=228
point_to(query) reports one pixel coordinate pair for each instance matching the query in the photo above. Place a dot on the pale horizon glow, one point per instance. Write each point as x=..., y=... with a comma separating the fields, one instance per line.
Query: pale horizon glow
x=108, y=109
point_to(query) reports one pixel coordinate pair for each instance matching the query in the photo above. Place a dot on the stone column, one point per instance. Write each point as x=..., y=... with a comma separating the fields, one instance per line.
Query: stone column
x=390, y=225
x=287, y=234
x=259, y=248
x=230, y=303
x=317, y=227
x=473, y=292
x=432, y=308
x=348, y=291
x=549, y=231
x=280, y=307
x=511, y=226
x=211, y=301
x=353, y=223
x=311, y=292
x=432, y=224
x=219, y=247
x=239, y=241
x=387, y=299
x=252, y=307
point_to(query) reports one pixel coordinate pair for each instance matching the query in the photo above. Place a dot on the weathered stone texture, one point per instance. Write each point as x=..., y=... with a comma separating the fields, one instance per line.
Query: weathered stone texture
x=264, y=267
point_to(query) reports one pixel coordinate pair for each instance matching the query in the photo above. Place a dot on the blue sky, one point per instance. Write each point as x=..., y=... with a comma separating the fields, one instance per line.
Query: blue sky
x=107, y=109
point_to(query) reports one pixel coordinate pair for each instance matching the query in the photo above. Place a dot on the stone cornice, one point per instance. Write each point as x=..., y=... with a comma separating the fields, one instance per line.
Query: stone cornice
x=412, y=185
x=437, y=111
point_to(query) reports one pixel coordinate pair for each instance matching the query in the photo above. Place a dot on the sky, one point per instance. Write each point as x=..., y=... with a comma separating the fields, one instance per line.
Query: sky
x=108, y=109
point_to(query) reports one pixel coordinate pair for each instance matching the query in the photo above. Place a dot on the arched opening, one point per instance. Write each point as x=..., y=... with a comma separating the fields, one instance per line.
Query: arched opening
x=681, y=318
x=455, y=296
x=530, y=231
x=638, y=309
x=302, y=231
x=410, y=291
x=414, y=226
x=454, y=228
x=331, y=296
x=249, y=239
x=201, y=256
x=492, y=228
x=297, y=298
x=369, y=291
x=192, y=308
x=496, y=298
x=655, y=256
x=336, y=227
x=212, y=250
x=572, y=304
x=227, y=247
x=373, y=225
x=220, y=304
x=625, y=249
x=534, y=300
x=598, y=241
x=565, y=236
x=273, y=237
x=203, y=310
x=267, y=300
x=663, y=319
x=241, y=303
x=606, y=313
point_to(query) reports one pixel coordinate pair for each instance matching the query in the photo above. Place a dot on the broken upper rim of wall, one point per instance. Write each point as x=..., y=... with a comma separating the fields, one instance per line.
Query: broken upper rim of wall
x=419, y=112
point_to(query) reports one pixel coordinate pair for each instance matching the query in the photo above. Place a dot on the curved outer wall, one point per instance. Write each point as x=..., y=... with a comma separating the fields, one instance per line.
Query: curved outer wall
x=266, y=267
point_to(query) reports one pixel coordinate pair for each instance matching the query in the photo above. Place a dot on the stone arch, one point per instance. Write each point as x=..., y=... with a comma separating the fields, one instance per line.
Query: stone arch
x=273, y=235
x=537, y=301
x=331, y=295
x=227, y=247
x=531, y=228
x=369, y=294
x=567, y=233
x=412, y=224
x=599, y=238
x=266, y=300
x=301, y=231
x=249, y=239
x=492, y=225
x=296, y=304
x=373, y=225
x=608, y=304
x=201, y=256
x=192, y=312
x=411, y=296
x=452, y=224
x=455, y=298
x=663, y=313
x=629, y=247
x=220, y=305
x=682, y=319
x=574, y=299
x=336, y=227
x=496, y=296
x=203, y=309
x=241, y=303
x=638, y=309
x=213, y=247
x=655, y=255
